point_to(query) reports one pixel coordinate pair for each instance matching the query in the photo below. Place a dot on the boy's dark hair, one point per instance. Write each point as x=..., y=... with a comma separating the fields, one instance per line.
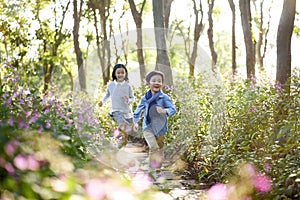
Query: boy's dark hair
x=153, y=73
x=117, y=66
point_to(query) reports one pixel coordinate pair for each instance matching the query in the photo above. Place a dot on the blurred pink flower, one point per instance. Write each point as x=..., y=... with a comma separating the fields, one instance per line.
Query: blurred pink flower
x=262, y=183
x=251, y=171
x=10, y=147
x=9, y=168
x=33, y=164
x=20, y=162
x=94, y=189
x=116, y=133
x=141, y=181
x=218, y=192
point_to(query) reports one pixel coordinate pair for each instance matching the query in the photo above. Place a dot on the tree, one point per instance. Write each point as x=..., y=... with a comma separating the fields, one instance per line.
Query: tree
x=210, y=33
x=103, y=44
x=162, y=59
x=284, y=36
x=198, y=28
x=248, y=37
x=76, y=16
x=137, y=16
x=233, y=38
x=167, y=12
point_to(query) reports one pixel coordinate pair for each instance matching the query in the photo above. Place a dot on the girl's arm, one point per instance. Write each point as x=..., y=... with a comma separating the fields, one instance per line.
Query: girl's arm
x=107, y=94
x=131, y=95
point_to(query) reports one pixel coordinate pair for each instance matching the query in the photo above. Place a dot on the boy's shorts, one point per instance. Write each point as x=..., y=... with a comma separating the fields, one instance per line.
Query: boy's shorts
x=121, y=118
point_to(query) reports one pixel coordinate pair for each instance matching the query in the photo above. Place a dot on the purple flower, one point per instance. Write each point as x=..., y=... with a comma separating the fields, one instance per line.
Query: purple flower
x=48, y=125
x=21, y=123
x=40, y=130
x=267, y=167
x=11, y=122
x=262, y=183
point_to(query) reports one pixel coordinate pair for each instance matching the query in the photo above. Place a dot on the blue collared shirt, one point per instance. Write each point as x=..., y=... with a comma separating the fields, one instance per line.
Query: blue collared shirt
x=163, y=101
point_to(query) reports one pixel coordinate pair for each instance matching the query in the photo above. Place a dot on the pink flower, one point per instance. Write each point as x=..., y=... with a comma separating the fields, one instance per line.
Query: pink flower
x=217, y=192
x=10, y=147
x=32, y=163
x=262, y=183
x=94, y=189
x=20, y=162
x=141, y=181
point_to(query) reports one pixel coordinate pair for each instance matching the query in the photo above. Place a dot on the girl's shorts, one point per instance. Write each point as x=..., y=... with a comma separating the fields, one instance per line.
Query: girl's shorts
x=121, y=118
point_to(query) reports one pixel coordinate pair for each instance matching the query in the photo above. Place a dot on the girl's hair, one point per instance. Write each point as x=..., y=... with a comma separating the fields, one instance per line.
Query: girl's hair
x=153, y=73
x=117, y=66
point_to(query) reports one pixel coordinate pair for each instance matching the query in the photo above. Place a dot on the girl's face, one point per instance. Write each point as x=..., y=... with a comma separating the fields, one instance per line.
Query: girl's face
x=120, y=74
x=155, y=83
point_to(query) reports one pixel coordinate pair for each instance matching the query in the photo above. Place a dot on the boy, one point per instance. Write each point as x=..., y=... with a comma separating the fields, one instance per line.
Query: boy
x=157, y=107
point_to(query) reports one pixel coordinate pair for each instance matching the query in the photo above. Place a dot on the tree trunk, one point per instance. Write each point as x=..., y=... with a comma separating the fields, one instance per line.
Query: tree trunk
x=284, y=36
x=162, y=59
x=137, y=16
x=210, y=33
x=233, y=40
x=167, y=11
x=81, y=73
x=197, y=31
x=249, y=43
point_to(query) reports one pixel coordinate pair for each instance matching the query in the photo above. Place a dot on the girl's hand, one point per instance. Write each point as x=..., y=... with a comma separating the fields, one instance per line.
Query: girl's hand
x=100, y=104
x=135, y=127
x=125, y=99
x=161, y=110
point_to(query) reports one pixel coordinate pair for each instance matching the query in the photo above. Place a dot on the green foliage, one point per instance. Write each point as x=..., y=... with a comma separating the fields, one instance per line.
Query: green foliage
x=261, y=126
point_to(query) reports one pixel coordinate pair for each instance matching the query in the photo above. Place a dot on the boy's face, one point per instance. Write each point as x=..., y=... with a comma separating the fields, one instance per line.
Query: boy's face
x=155, y=83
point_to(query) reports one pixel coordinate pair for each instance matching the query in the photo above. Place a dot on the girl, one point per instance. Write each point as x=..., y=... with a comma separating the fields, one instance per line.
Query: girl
x=121, y=96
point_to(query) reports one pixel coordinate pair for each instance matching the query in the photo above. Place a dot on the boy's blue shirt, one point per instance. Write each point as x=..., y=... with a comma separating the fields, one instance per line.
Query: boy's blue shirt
x=163, y=101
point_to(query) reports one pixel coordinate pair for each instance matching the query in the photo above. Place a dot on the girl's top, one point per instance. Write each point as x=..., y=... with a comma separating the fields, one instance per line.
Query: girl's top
x=116, y=91
x=148, y=100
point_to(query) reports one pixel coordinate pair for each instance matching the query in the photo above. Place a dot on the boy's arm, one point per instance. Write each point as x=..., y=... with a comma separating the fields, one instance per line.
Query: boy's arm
x=138, y=111
x=169, y=106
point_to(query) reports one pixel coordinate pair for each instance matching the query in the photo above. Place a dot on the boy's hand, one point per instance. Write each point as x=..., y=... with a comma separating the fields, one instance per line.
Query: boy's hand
x=161, y=110
x=135, y=127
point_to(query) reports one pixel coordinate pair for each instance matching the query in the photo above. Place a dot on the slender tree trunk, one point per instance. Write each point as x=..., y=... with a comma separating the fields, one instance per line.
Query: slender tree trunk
x=249, y=43
x=167, y=11
x=137, y=16
x=197, y=31
x=76, y=16
x=233, y=40
x=284, y=37
x=162, y=59
x=210, y=33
